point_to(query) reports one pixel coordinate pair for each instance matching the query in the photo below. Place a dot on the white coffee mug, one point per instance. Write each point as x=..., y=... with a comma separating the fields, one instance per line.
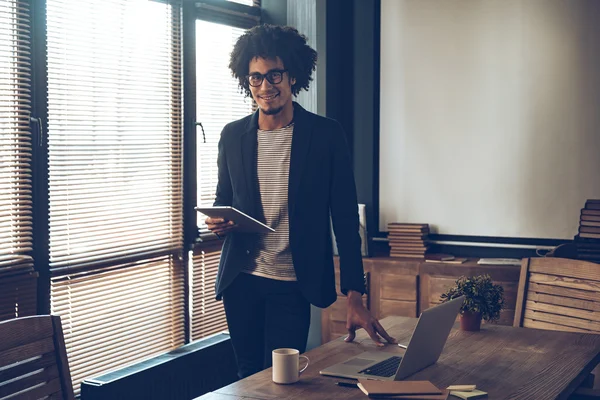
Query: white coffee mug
x=286, y=366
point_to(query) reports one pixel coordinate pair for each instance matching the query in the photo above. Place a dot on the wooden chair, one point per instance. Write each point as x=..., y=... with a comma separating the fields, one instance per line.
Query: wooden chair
x=560, y=294
x=33, y=359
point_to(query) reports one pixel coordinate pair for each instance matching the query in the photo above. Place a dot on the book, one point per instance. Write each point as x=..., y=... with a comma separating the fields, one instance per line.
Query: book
x=454, y=261
x=440, y=257
x=408, y=238
x=406, y=255
x=589, y=223
x=592, y=204
x=589, y=229
x=374, y=388
x=499, y=261
x=472, y=395
x=408, y=225
x=594, y=218
x=590, y=235
x=585, y=211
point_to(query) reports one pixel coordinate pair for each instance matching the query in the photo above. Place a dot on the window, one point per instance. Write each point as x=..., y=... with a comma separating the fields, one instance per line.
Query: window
x=91, y=170
x=219, y=101
x=115, y=180
x=17, y=279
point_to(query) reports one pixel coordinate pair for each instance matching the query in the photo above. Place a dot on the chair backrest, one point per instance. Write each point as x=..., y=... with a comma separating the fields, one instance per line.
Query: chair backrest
x=559, y=294
x=33, y=359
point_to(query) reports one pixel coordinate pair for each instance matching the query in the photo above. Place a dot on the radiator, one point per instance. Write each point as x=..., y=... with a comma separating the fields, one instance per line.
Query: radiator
x=181, y=374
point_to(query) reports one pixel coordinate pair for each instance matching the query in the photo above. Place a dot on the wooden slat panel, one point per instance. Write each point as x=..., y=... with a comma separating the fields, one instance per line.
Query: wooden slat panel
x=530, y=323
x=19, y=385
x=51, y=387
x=24, y=330
x=562, y=320
x=563, y=291
x=393, y=307
x=26, y=351
x=398, y=287
x=563, y=301
x=24, y=368
x=586, y=315
x=561, y=281
x=576, y=269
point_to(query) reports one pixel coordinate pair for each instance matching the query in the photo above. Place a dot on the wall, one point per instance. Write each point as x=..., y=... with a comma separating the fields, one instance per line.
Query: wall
x=489, y=115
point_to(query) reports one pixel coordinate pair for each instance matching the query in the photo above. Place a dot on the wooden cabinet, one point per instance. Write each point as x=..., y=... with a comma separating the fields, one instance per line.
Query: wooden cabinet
x=435, y=278
x=392, y=286
x=405, y=287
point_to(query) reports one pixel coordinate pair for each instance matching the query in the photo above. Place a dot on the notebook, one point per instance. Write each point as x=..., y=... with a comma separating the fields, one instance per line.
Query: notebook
x=475, y=394
x=374, y=388
x=444, y=396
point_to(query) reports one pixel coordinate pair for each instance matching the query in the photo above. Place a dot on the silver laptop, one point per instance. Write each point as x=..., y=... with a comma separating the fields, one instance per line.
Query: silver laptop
x=424, y=349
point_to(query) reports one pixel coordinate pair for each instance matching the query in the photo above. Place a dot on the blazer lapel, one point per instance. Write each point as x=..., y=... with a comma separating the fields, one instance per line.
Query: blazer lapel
x=248, y=149
x=298, y=159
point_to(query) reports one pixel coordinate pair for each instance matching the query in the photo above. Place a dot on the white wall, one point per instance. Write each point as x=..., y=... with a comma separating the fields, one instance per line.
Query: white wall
x=490, y=115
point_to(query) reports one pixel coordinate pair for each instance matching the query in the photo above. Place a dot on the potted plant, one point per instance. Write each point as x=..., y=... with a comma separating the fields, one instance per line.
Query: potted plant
x=483, y=300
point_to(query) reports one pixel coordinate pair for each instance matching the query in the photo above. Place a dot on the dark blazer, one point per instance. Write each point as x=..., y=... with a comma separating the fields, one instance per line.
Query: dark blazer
x=321, y=182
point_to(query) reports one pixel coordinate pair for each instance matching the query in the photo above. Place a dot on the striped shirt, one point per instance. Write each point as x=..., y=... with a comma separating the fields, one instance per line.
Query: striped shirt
x=273, y=257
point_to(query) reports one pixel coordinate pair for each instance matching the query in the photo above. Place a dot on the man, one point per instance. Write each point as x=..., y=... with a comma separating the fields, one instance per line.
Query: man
x=292, y=170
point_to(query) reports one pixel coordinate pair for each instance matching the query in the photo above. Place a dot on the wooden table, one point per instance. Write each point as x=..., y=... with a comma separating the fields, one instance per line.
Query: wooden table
x=506, y=362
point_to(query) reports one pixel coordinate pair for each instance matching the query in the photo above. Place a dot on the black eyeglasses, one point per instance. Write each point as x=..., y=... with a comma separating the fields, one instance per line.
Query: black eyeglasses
x=274, y=77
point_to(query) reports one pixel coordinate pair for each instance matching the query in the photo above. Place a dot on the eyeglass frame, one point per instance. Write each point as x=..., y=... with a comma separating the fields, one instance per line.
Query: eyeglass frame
x=266, y=76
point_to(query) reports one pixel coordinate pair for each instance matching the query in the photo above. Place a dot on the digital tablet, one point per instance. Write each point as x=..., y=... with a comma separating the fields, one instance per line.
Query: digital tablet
x=244, y=222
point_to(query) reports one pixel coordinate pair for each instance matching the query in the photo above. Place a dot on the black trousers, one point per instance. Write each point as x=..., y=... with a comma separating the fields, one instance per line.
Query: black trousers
x=264, y=314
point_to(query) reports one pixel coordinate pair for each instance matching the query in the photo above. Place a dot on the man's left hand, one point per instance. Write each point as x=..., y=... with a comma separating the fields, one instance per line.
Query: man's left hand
x=359, y=317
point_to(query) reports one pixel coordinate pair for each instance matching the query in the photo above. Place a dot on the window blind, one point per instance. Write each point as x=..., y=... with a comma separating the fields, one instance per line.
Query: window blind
x=116, y=316
x=208, y=315
x=218, y=102
x=15, y=137
x=17, y=280
x=115, y=179
x=114, y=99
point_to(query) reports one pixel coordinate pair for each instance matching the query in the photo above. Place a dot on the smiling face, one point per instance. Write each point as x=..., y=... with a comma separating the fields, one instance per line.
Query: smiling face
x=271, y=98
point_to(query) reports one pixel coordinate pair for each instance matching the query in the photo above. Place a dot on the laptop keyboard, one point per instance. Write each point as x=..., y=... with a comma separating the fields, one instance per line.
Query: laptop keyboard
x=385, y=368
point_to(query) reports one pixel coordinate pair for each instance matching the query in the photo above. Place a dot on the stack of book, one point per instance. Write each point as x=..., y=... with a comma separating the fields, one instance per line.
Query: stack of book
x=588, y=239
x=408, y=240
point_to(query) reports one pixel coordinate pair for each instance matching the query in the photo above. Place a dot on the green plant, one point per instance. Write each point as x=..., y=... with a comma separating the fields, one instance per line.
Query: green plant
x=481, y=295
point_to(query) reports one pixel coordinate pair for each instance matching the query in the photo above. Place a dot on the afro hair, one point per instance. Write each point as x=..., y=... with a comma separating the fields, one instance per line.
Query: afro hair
x=269, y=42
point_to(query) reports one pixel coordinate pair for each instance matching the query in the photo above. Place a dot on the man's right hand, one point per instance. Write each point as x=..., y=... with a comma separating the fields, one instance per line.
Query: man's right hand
x=220, y=226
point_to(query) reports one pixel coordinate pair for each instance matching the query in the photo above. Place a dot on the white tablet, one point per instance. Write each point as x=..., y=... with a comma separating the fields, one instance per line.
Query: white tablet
x=244, y=222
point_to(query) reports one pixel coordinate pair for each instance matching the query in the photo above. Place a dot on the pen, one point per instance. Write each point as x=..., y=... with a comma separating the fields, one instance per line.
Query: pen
x=347, y=384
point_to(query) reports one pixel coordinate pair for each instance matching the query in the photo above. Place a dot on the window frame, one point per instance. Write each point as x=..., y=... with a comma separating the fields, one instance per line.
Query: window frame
x=221, y=12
